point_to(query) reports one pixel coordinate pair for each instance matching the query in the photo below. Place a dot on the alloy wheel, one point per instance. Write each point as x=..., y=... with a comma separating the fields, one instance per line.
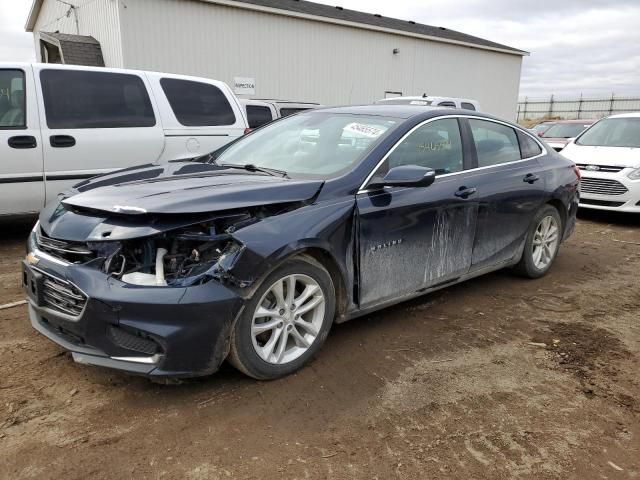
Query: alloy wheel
x=545, y=242
x=288, y=319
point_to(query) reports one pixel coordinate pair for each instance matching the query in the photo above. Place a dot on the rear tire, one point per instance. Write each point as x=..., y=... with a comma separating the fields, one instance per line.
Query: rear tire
x=542, y=243
x=286, y=321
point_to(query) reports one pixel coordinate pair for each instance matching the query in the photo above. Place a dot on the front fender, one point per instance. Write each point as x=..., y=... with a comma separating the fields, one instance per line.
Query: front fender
x=326, y=226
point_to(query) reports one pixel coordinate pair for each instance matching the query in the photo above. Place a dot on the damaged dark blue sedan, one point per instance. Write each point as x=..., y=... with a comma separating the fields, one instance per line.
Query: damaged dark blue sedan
x=251, y=254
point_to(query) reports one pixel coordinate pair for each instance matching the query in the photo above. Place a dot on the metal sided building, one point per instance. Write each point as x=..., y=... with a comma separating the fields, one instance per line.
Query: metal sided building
x=285, y=49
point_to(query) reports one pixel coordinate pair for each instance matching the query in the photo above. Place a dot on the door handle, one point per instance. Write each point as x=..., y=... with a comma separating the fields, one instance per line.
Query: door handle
x=22, y=141
x=530, y=178
x=465, y=192
x=62, y=141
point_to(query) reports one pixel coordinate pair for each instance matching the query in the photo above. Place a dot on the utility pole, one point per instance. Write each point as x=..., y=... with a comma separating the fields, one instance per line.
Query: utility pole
x=72, y=8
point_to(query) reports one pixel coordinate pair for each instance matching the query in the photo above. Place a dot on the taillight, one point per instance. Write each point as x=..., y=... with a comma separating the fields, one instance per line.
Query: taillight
x=577, y=171
x=247, y=131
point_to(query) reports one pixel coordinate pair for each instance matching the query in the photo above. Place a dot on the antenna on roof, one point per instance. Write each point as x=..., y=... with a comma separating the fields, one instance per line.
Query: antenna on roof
x=424, y=95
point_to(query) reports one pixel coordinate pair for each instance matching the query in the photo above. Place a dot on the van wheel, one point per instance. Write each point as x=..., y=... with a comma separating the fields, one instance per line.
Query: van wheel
x=286, y=321
x=542, y=244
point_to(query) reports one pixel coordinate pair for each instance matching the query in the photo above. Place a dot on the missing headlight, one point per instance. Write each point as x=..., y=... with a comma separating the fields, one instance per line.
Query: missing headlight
x=179, y=258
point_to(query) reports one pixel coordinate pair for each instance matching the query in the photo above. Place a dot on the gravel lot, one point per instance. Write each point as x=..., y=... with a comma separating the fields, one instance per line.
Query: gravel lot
x=496, y=378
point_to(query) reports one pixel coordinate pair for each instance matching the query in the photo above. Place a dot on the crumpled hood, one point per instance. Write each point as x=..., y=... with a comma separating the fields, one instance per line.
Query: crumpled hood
x=610, y=156
x=186, y=187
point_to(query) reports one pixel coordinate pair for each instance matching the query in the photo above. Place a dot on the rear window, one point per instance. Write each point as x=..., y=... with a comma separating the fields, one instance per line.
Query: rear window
x=285, y=112
x=258, y=116
x=12, y=99
x=468, y=106
x=528, y=146
x=197, y=104
x=86, y=99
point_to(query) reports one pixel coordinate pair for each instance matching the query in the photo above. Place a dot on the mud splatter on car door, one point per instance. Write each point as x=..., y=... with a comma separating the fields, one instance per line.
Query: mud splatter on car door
x=411, y=238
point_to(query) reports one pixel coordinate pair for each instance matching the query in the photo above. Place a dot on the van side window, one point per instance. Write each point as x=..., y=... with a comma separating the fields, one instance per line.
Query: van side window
x=258, y=116
x=197, y=104
x=90, y=99
x=447, y=104
x=495, y=143
x=528, y=146
x=468, y=106
x=12, y=99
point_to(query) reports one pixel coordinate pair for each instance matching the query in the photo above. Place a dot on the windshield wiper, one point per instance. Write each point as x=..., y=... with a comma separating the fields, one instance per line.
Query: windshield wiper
x=250, y=167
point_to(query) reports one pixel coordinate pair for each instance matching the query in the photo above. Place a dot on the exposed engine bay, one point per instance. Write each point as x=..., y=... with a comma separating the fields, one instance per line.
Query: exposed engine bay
x=185, y=257
x=180, y=257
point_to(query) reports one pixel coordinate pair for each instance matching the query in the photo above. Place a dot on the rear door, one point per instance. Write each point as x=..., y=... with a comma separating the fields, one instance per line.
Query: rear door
x=198, y=115
x=415, y=238
x=95, y=121
x=510, y=186
x=21, y=178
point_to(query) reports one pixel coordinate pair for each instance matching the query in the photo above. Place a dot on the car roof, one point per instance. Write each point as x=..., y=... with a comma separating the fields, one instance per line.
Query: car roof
x=582, y=121
x=626, y=115
x=283, y=101
x=403, y=111
x=427, y=97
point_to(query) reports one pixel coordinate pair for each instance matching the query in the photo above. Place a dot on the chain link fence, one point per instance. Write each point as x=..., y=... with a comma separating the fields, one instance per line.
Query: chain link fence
x=575, y=108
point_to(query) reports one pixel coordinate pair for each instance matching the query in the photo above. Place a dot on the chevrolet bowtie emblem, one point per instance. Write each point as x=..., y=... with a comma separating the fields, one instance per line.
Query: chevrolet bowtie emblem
x=32, y=259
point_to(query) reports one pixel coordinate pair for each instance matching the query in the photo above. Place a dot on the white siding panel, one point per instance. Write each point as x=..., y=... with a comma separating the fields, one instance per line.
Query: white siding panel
x=97, y=18
x=306, y=60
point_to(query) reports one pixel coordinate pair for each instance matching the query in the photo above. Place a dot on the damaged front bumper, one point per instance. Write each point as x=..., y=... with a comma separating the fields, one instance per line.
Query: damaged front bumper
x=153, y=331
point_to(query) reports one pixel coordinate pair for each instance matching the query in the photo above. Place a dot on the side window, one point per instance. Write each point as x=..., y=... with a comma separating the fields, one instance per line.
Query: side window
x=285, y=112
x=495, y=143
x=435, y=145
x=468, y=106
x=12, y=99
x=258, y=116
x=87, y=99
x=528, y=146
x=197, y=104
x=447, y=104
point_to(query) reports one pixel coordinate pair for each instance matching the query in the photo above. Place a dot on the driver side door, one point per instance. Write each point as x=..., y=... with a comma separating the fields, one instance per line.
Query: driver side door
x=413, y=238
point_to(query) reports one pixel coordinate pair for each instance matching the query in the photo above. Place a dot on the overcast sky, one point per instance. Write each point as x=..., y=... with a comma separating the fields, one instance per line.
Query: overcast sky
x=577, y=46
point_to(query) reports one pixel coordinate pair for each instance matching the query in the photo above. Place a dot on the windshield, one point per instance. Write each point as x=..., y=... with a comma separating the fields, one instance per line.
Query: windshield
x=613, y=132
x=565, y=130
x=313, y=145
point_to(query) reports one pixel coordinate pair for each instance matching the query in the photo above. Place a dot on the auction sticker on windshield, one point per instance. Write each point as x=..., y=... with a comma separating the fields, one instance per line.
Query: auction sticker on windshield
x=366, y=130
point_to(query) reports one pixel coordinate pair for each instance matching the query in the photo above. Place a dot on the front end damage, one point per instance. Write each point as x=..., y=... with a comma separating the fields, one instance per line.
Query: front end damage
x=149, y=294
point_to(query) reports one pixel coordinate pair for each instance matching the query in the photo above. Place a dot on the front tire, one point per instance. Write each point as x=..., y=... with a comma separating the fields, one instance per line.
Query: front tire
x=542, y=244
x=286, y=321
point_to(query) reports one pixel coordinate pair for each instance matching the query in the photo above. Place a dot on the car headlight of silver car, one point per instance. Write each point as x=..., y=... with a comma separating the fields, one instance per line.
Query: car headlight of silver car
x=635, y=174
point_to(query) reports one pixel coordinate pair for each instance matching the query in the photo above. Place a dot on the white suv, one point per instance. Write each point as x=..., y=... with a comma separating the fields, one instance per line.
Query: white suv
x=608, y=154
x=61, y=123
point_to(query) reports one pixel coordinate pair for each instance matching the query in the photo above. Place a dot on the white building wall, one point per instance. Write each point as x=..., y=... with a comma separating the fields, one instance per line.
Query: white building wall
x=296, y=59
x=97, y=18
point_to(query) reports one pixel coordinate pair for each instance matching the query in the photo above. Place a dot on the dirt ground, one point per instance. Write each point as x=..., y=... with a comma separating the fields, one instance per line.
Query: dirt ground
x=496, y=378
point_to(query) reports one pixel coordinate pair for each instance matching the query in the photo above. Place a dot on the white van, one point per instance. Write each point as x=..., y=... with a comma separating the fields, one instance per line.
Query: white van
x=261, y=112
x=60, y=124
x=429, y=100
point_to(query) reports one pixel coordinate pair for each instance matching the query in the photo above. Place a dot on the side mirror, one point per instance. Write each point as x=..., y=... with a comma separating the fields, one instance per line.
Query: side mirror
x=405, y=176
